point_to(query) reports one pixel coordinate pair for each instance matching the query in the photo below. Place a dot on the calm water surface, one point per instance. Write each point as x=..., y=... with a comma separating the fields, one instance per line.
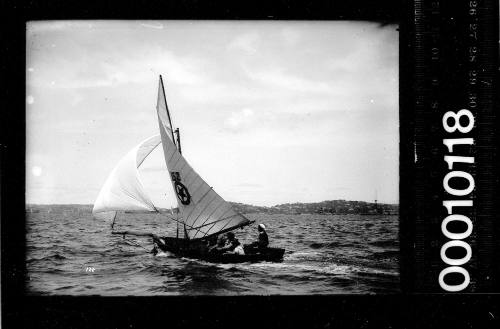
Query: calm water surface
x=325, y=254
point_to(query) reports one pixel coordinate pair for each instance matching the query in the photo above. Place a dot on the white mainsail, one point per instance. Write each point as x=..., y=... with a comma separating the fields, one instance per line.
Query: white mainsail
x=123, y=189
x=162, y=110
x=202, y=210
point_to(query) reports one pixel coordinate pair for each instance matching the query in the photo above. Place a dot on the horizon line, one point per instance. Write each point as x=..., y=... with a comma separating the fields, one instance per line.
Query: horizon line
x=91, y=204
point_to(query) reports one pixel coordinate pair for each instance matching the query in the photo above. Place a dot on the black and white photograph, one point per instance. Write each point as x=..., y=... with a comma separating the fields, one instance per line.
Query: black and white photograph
x=210, y=164
x=211, y=158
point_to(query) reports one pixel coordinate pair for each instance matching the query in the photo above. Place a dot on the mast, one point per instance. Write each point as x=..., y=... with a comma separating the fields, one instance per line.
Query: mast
x=204, y=213
x=178, y=133
x=177, y=217
x=168, y=112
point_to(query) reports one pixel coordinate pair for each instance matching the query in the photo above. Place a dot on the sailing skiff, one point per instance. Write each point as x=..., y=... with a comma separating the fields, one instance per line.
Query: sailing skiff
x=203, y=214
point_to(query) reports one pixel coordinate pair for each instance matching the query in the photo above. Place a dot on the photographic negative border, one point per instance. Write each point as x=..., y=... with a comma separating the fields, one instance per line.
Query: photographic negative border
x=400, y=310
x=449, y=161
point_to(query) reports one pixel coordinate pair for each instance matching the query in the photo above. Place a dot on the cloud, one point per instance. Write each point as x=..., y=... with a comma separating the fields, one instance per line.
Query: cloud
x=79, y=65
x=255, y=96
x=248, y=185
x=153, y=26
x=375, y=52
x=290, y=36
x=247, y=42
x=278, y=78
x=48, y=26
x=240, y=120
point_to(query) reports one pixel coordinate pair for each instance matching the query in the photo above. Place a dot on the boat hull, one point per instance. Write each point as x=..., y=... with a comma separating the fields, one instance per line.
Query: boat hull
x=196, y=250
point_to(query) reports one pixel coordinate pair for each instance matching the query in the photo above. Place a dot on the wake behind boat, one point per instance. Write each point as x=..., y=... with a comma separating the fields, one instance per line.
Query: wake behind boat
x=202, y=213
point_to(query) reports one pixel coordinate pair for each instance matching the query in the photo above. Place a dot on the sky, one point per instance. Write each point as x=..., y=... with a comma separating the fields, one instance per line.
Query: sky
x=269, y=112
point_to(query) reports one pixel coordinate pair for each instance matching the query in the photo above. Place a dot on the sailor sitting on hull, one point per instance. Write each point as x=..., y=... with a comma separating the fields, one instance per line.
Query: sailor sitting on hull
x=219, y=246
x=211, y=242
x=261, y=243
x=227, y=244
x=233, y=246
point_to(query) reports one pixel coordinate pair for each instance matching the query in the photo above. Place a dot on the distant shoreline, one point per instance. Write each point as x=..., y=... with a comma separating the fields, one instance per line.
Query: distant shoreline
x=333, y=207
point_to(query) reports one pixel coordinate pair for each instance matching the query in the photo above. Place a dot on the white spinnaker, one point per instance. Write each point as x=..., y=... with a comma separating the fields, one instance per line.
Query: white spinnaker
x=202, y=210
x=123, y=189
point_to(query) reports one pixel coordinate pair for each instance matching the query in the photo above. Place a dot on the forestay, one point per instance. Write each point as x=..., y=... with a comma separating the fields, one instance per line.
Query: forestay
x=123, y=189
x=202, y=210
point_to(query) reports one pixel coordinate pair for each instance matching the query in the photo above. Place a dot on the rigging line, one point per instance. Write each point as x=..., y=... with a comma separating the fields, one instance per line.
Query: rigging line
x=188, y=176
x=227, y=230
x=180, y=170
x=200, y=188
x=211, y=227
x=212, y=212
x=222, y=229
x=185, y=163
x=205, y=207
x=132, y=196
x=213, y=223
x=202, y=183
x=248, y=219
x=176, y=220
x=148, y=153
x=179, y=158
x=230, y=206
x=222, y=215
x=219, y=220
x=228, y=222
x=192, y=198
x=170, y=157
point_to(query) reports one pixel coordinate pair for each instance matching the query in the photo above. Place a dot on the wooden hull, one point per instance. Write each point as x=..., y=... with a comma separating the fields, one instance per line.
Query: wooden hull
x=196, y=250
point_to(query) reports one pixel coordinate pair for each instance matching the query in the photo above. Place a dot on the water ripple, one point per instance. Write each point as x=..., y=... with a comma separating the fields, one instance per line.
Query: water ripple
x=70, y=253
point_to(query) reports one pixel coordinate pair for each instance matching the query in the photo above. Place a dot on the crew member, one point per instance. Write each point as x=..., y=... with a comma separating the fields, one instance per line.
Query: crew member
x=219, y=247
x=233, y=246
x=263, y=240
